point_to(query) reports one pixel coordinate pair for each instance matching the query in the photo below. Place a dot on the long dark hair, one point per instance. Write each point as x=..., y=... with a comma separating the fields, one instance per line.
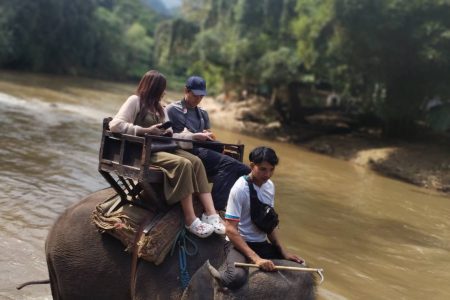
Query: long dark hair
x=150, y=90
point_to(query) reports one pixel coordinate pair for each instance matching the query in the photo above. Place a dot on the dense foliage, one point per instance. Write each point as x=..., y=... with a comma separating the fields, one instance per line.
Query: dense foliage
x=105, y=38
x=384, y=56
x=391, y=55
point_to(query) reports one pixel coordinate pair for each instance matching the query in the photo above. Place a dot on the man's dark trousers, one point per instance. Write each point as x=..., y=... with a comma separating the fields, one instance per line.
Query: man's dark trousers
x=223, y=171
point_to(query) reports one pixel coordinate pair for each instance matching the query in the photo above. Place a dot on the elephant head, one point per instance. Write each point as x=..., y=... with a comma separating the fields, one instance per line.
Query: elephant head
x=206, y=284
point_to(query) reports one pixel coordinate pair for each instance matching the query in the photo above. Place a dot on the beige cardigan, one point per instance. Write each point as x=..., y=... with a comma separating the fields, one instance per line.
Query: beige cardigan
x=124, y=119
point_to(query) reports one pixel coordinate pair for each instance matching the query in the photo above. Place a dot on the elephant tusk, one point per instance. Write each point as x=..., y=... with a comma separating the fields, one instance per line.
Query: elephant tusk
x=319, y=271
x=214, y=273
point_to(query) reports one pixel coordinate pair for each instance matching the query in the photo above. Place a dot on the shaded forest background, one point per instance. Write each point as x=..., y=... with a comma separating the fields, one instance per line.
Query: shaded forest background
x=386, y=60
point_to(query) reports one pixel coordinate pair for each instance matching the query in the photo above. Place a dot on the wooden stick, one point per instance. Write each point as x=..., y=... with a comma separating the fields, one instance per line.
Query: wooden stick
x=319, y=271
x=244, y=265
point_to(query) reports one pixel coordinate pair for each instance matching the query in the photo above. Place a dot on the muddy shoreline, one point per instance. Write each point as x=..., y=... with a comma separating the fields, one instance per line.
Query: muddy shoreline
x=424, y=162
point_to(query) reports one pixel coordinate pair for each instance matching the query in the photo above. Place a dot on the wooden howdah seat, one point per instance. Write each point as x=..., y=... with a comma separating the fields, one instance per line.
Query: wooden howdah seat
x=124, y=161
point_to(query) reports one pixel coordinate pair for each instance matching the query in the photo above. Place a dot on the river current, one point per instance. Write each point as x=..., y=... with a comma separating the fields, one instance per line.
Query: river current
x=376, y=238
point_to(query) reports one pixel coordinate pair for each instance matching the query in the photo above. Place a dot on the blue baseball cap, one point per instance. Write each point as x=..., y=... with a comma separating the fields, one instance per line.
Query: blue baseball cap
x=197, y=85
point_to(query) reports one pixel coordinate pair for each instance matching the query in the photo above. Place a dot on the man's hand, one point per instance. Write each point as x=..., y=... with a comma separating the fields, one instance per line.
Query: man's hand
x=168, y=133
x=203, y=136
x=265, y=264
x=211, y=135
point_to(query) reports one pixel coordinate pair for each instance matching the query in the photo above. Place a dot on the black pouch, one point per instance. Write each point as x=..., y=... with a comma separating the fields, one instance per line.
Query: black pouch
x=263, y=215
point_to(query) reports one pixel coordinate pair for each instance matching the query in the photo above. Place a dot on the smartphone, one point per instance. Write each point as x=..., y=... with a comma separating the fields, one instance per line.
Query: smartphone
x=166, y=125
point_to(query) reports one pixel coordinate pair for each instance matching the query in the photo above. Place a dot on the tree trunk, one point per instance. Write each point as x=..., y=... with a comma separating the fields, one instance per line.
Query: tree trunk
x=286, y=101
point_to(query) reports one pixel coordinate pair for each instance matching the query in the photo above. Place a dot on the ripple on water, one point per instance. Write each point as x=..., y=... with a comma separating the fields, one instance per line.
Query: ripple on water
x=45, y=167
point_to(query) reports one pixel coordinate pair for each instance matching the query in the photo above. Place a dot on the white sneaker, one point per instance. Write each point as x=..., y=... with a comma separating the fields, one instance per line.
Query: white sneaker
x=215, y=221
x=200, y=228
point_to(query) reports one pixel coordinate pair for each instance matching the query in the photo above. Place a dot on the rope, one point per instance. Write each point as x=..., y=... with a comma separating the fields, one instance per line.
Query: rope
x=184, y=274
x=181, y=240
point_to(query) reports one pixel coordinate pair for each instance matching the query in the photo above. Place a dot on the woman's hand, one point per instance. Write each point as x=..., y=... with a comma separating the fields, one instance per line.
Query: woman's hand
x=155, y=129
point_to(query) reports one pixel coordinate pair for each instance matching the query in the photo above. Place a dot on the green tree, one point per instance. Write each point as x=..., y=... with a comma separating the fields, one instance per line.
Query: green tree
x=47, y=34
x=173, y=41
x=234, y=35
x=388, y=53
x=139, y=50
x=106, y=38
x=109, y=55
x=280, y=69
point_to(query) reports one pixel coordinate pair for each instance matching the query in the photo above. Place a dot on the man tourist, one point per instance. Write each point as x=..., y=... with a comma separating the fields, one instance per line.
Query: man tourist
x=191, y=122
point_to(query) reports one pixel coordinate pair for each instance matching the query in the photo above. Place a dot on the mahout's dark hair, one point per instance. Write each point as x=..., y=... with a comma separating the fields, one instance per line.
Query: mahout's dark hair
x=262, y=153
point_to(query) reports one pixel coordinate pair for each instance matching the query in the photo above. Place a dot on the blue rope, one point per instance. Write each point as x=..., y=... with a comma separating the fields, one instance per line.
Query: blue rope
x=181, y=240
x=184, y=274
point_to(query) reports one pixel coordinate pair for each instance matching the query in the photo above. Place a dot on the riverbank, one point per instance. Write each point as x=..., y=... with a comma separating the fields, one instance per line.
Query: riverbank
x=424, y=162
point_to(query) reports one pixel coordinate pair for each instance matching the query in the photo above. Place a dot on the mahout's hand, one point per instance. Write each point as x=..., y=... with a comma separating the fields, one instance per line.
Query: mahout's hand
x=265, y=264
x=294, y=258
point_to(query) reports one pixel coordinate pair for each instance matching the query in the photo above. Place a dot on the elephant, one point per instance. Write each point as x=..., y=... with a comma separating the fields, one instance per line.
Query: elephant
x=85, y=264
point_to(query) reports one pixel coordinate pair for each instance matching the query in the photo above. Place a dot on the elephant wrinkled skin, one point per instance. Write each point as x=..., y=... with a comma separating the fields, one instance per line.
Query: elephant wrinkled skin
x=84, y=264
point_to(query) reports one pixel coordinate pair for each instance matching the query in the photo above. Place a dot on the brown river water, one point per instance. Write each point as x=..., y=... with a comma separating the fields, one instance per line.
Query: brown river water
x=376, y=238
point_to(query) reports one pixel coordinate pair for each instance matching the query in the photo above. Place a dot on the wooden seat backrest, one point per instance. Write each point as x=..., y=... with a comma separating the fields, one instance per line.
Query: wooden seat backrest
x=127, y=155
x=124, y=161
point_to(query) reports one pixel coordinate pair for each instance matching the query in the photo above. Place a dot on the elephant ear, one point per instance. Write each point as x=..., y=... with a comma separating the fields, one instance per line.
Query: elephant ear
x=202, y=284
